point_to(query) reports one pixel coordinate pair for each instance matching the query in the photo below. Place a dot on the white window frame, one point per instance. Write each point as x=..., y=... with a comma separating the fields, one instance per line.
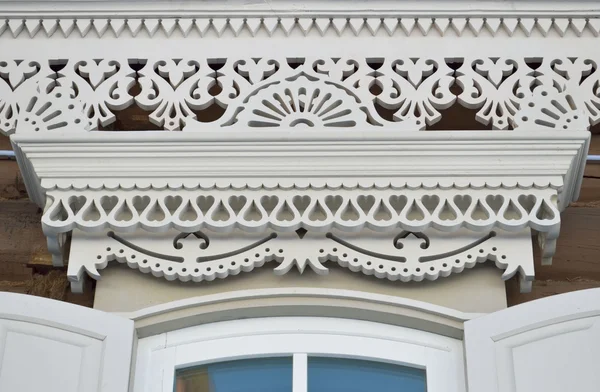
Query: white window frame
x=159, y=356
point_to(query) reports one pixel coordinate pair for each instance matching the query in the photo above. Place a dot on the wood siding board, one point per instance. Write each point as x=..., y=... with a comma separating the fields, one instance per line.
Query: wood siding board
x=595, y=144
x=590, y=192
x=546, y=288
x=5, y=143
x=12, y=186
x=20, y=231
x=578, y=248
x=576, y=265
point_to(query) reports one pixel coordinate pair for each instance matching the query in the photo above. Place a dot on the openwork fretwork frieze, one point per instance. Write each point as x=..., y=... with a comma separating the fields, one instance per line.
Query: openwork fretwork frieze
x=406, y=94
x=320, y=210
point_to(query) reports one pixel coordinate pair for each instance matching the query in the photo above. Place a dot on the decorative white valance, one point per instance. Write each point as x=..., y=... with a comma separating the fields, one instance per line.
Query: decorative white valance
x=316, y=150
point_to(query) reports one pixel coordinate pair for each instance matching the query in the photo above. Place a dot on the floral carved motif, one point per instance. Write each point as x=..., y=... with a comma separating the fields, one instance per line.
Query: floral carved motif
x=101, y=85
x=302, y=103
x=20, y=81
x=578, y=79
x=495, y=87
x=53, y=110
x=171, y=90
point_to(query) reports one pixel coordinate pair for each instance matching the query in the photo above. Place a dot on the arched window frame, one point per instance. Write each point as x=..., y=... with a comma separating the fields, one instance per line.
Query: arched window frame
x=160, y=356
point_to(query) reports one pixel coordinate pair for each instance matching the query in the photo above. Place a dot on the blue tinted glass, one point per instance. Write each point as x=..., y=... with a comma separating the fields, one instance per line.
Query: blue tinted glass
x=349, y=375
x=252, y=375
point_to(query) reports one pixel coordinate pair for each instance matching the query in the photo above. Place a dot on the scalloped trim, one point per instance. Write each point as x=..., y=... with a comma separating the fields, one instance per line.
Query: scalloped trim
x=300, y=184
x=504, y=249
x=257, y=26
x=357, y=261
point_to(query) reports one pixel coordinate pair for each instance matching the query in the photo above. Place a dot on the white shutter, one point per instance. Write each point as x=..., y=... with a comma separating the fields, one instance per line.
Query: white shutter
x=53, y=346
x=550, y=345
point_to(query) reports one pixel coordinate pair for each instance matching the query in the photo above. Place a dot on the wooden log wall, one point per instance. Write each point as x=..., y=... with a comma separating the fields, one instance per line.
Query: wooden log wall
x=26, y=267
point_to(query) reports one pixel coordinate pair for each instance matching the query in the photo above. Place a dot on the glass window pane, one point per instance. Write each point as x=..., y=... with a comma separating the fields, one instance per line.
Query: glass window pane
x=350, y=375
x=248, y=375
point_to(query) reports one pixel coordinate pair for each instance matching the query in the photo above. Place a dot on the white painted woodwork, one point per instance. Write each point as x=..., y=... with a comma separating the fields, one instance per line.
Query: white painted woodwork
x=203, y=185
x=550, y=345
x=395, y=255
x=179, y=20
x=322, y=108
x=317, y=156
x=300, y=372
x=51, y=346
x=274, y=91
x=300, y=301
x=160, y=355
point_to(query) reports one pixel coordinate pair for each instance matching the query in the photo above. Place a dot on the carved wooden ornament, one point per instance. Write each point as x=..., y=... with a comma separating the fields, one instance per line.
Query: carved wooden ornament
x=319, y=154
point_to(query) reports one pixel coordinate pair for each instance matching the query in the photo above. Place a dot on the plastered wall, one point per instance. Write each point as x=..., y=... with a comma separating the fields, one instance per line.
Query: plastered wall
x=478, y=290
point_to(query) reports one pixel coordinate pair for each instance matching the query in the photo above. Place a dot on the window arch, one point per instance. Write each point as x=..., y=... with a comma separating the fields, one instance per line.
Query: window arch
x=310, y=344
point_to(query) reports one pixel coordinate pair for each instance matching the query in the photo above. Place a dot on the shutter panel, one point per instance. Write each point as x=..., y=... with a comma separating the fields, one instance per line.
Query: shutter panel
x=550, y=345
x=52, y=346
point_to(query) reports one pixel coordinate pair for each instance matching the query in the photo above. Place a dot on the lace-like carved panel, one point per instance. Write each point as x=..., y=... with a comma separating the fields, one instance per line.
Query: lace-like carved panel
x=329, y=92
x=397, y=256
x=382, y=211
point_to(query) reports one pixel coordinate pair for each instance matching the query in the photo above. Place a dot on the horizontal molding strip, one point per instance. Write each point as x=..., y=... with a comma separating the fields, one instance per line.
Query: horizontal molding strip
x=308, y=7
x=141, y=184
x=442, y=25
x=73, y=136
